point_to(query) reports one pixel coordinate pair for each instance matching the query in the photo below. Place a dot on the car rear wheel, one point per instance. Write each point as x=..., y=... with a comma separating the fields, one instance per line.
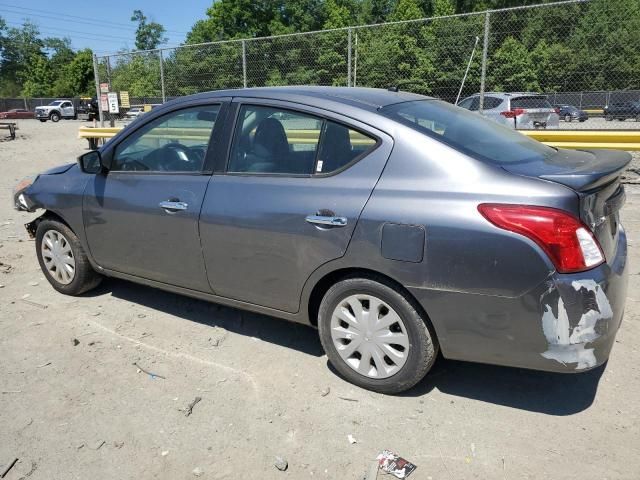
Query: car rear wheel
x=63, y=260
x=43, y=120
x=567, y=118
x=374, y=335
x=54, y=117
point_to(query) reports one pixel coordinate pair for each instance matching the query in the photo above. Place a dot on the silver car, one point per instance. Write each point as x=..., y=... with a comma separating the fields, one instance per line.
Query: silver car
x=525, y=111
x=397, y=224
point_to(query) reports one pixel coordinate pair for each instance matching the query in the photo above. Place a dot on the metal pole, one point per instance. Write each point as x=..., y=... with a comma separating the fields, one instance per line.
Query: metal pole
x=466, y=72
x=244, y=64
x=164, y=98
x=355, y=62
x=485, y=50
x=109, y=73
x=349, y=58
x=97, y=81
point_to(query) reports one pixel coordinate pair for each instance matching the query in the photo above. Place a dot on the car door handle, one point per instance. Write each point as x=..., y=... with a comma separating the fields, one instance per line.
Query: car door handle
x=327, y=220
x=173, y=206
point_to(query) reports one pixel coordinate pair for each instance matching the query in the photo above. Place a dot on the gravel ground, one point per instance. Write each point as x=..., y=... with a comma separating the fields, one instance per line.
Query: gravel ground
x=74, y=405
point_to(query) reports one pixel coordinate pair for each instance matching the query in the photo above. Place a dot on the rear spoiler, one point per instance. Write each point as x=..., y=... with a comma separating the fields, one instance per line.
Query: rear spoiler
x=608, y=166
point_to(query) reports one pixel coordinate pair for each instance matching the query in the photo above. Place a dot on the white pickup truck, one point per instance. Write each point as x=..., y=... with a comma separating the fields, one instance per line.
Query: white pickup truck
x=56, y=110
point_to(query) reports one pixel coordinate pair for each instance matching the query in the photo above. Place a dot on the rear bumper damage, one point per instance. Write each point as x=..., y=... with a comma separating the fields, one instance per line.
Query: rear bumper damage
x=581, y=313
x=568, y=323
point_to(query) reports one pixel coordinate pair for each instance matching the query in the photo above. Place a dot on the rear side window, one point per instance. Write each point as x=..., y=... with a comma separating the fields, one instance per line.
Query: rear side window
x=492, y=102
x=472, y=103
x=467, y=132
x=530, y=102
x=275, y=141
x=339, y=146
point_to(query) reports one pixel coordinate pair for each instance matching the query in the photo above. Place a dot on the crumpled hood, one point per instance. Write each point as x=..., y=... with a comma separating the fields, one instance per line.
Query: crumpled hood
x=58, y=170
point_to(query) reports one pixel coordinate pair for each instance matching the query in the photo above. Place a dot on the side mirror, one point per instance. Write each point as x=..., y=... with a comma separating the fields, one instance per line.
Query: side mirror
x=91, y=162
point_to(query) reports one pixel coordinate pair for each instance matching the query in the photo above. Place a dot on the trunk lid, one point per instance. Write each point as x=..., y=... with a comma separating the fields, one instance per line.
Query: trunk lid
x=595, y=176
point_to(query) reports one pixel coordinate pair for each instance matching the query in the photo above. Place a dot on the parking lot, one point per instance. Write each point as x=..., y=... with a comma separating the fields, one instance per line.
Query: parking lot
x=99, y=386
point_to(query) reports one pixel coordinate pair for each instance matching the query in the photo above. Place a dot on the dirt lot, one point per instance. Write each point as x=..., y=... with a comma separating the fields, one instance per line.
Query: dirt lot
x=73, y=405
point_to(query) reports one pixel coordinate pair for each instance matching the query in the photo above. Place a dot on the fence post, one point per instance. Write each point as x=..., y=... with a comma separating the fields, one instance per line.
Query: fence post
x=355, y=62
x=164, y=98
x=97, y=81
x=349, y=57
x=485, y=50
x=244, y=64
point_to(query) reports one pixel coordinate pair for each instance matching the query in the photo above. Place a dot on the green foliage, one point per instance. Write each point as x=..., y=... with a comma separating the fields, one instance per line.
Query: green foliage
x=149, y=35
x=511, y=68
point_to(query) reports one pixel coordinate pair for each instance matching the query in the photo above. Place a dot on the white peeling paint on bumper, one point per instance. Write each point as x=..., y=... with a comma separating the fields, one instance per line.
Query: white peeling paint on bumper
x=567, y=344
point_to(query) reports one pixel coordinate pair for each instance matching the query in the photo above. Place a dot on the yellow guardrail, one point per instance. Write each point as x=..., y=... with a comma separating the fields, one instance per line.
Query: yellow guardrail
x=98, y=132
x=588, y=139
x=573, y=139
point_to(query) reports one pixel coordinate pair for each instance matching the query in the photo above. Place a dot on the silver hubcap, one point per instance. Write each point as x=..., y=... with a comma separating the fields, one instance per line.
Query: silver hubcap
x=58, y=257
x=369, y=336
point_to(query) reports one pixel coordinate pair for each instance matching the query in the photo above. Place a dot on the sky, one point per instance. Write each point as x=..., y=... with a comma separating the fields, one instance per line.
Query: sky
x=104, y=26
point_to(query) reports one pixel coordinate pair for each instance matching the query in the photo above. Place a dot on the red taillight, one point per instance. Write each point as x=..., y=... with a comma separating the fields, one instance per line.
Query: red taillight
x=566, y=240
x=513, y=113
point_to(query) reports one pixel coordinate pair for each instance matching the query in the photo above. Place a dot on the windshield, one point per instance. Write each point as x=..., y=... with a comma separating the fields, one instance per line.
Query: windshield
x=55, y=103
x=468, y=132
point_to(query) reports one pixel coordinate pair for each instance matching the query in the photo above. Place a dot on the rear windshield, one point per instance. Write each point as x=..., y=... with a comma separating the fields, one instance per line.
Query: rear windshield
x=530, y=102
x=468, y=132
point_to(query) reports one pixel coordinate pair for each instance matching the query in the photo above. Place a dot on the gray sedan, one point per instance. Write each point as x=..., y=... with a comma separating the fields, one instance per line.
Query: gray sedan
x=398, y=225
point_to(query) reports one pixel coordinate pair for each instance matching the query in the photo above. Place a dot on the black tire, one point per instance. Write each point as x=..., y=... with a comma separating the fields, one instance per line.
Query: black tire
x=54, y=117
x=567, y=118
x=85, y=277
x=608, y=118
x=43, y=120
x=423, y=346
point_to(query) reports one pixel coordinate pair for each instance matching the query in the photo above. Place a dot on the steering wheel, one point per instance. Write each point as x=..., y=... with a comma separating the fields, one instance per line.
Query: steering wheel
x=172, y=157
x=134, y=165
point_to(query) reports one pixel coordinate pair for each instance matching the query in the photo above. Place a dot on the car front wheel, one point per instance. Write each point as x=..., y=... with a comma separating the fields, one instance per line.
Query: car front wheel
x=374, y=335
x=43, y=120
x=54, y=117
x=567, y=118
x=63, y=260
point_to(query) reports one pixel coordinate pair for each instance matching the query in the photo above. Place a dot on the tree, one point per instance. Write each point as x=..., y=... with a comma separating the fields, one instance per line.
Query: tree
x=38, y=77
x=148, y=35
x=76, y=76
x=511, y=68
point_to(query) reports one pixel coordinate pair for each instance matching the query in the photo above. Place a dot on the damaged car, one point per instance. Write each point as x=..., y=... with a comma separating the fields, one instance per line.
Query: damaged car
x=398, y=225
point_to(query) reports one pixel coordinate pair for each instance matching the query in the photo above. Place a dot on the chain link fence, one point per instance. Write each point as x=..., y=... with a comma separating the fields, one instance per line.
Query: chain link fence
x=581, y=52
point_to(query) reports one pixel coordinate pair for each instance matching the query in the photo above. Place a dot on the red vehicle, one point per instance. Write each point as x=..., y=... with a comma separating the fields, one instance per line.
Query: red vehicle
x=17, y=113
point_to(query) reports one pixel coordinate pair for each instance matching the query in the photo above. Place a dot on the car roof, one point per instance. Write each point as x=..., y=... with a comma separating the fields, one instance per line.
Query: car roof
x=365, y=98
x=509, y=94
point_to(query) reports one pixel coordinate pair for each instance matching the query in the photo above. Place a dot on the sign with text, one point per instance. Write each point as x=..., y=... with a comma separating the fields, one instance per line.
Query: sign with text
x=104, y=88
x=124, y=99
x=113, y=102
x=104, y=102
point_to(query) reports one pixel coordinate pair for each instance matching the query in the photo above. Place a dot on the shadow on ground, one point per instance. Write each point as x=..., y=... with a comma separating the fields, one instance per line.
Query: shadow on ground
x=549, y=393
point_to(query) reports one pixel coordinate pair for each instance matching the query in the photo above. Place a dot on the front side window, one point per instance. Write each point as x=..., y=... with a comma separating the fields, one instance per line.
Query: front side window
x=467, y=132
x=176, y=142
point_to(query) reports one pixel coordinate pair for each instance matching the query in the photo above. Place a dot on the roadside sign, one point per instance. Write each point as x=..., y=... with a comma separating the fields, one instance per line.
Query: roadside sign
x=104, y=102
x=124, y=99
x=104, y=88
x=113, y=102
